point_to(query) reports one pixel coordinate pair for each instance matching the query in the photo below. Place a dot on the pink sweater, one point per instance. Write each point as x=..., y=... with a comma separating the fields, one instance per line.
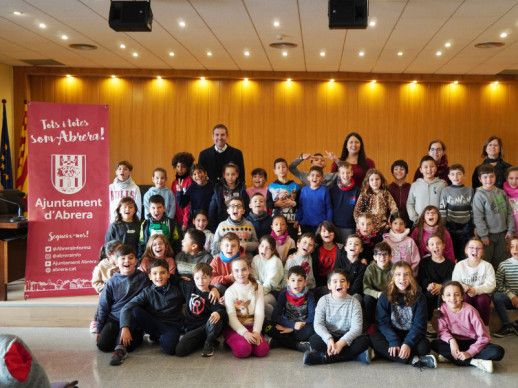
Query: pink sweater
x=464, y=325
x=403, y=249
x=429, y=230
x=512, y=194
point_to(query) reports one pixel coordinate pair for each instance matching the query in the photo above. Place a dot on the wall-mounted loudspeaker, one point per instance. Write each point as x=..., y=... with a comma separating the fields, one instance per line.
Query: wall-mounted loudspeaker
x=348, y=14
x=130, y=15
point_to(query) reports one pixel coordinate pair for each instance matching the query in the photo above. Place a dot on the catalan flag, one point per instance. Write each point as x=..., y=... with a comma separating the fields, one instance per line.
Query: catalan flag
x=5, y=155
x=21, y=173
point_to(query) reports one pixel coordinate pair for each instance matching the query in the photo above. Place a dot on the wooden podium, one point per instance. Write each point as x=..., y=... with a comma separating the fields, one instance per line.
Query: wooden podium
x=13, y=250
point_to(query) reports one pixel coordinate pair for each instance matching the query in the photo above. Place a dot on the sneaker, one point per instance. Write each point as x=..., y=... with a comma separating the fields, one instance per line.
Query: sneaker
x=441, y=358
x=93, y=327
x=208, y=350
x=364, y=357
x=504, y=331
x=515, y=327
x=303, y=346
x=428, y=361
x=272, y=344
x=485, y=365
x=118, y=356
x=314, y=357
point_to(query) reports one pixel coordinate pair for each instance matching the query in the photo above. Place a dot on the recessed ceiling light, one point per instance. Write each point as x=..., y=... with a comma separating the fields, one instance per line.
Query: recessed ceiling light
x=400, y=53
x=122, y=46
x=503, y=35
x=455, y=82
x=158, y=77
x=495, y=83
x=171, y=54
x=322, y=53
x=135, y=55
x=438, y=53
x=288, y=80
x=361, y=53
x=331, y=80
x=209, y=53
x=447, y=44
x=43, y=25
x=372, y=23
x=373, y=81
x=68, y=76
x=247, y=53
x=64, y=37
x=246, y=79
x=18, y=13
x=284, y=53
x=114, y=76
x=276, y=23
x=202, y=78
x=181, y=23
x=414, y=81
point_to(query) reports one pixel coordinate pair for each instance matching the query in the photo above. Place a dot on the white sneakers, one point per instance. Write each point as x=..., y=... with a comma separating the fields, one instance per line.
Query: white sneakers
x=485, y=365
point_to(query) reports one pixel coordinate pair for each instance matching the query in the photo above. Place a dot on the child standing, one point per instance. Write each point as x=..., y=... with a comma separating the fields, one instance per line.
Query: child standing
x=157, y=247
x=119, y=290
x=463, y=338
x=352, y=265
x=375, y=199
x=305, y=247
x=338, y=326
x=456, y=209
x=314, y=203
x=401, y=320
x=222, y=264
x=477, y=277
x=198, y=194
x=279, y=233
x=424, y=191
x=259, y=178
x=182, y=163
x=229, y=187
x=365, y=231
x=122, y=187
x=492, y=216
x=267, y=269
x=237, y=224
x=192, y=252
x=430, y=222
x=103, y=271
x=506, y=296
x=377, y=276
x=245, y=308
x=159, y=179
x=281, y=196
x=403, y=247
x=343, y=199
x=399, y=188
x=317, y=160
x=126, y=227
x=158, y=223
x=258, y=215
x=326, y=254
x=434, y=270
x=204, y=316
x=292, y=318
x=511, y=189
x=200, y=221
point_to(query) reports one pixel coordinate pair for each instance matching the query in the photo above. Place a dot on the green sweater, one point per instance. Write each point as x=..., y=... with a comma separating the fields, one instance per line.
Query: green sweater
x=376, y=279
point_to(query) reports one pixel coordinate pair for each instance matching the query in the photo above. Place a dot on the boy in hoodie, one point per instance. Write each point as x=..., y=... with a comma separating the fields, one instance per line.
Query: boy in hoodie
x=258, y=216
x=236, y=223
x=226, y=189
x=192, y=252
x=159, y=179
x=424, y=191
x=376, y=277
x=123, y=186
x=492, y=215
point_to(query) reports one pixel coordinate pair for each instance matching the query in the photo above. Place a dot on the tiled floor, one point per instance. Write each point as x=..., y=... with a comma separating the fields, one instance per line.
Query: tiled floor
x=70, y=353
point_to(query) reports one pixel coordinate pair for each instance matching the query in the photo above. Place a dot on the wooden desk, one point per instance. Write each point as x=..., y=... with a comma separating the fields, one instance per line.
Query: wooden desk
x=13, y=250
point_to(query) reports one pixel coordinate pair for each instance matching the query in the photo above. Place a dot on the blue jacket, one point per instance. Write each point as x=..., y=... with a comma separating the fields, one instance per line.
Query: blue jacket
x=198, y=196
x=384, y=311
x=279, y=312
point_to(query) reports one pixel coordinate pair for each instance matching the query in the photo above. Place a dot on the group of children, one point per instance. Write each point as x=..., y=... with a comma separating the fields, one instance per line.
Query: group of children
x=357, y=281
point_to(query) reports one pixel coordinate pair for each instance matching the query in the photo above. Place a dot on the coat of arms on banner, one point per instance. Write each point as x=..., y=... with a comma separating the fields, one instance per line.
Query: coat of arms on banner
x=68, y=173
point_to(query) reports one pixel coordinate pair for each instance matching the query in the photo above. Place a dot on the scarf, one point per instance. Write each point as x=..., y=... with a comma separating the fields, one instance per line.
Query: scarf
x=226, y=259
x=296, y=299
x=346, y=188
x=368, y=238
x=280, y=240
x=124, y=185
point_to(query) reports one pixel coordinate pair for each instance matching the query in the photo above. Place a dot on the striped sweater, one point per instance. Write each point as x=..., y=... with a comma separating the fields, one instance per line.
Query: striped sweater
x=507, y=277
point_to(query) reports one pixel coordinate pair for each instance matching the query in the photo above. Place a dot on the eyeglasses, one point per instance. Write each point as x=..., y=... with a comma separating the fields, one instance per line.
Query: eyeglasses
x=235, y=206
x=435, y=149
x=384, y=254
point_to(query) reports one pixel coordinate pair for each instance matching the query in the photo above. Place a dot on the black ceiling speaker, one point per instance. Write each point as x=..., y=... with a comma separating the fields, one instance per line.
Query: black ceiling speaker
x=130, y=15
x=348, y=14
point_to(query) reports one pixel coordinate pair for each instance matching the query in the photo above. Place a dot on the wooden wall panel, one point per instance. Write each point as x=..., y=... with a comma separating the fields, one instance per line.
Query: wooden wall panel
x=152, y=119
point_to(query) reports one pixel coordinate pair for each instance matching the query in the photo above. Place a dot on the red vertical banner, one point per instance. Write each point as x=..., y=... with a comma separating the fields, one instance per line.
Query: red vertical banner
x=67, y=200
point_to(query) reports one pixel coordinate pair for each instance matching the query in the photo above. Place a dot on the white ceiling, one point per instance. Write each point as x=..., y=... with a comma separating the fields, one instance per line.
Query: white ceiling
x=418, y=28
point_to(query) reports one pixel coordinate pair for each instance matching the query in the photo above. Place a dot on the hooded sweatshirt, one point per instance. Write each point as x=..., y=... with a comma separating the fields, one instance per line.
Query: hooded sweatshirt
x=119, y=190
x=423, y=194
x=492, y=212
x=167, y=194
x=403, y=249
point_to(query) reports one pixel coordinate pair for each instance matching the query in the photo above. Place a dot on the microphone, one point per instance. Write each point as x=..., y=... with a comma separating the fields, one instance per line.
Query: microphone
x=20, y=216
